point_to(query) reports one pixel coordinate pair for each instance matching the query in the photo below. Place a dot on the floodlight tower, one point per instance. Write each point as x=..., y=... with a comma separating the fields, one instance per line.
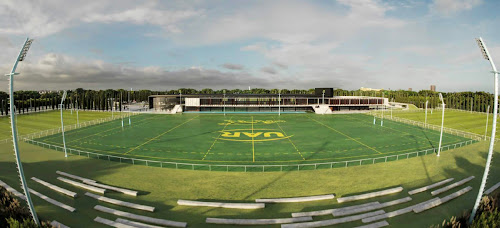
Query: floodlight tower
x=129, y=121
x=426, y=103
x=20, y=58
x=442, y=125
x=383, y=111
x=279, y=102
x=487, y=56
x=224, y=102
x=487, y=118
x=62, y=122
x=323, y=96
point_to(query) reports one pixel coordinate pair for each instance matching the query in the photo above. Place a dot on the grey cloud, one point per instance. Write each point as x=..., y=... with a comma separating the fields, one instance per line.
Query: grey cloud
x=232, y=66
x=268, y=70
x=281, y=65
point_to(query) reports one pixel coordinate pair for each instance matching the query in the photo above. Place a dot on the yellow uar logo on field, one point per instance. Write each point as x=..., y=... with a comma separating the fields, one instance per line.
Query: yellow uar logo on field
x=255, y=135
x=258, y=135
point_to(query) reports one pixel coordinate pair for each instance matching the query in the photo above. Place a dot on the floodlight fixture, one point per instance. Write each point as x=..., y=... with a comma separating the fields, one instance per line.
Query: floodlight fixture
x=486, y=55
x=13, y=125
x=25, y=49
x=442, y=125
x=62, y=123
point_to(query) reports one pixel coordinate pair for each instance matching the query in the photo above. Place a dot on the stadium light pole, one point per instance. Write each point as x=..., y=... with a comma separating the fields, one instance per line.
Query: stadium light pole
x=383, y=111
x=224, y=103
x=180, y=98
x=129, y=121
x=62, y=122
x=77, y=117
x=487, y=56
x=426, y=103
x=487, y=119
x=121, y=103
x=24, y=185
x=323, y=96
x=279, y=102
x=442, y=125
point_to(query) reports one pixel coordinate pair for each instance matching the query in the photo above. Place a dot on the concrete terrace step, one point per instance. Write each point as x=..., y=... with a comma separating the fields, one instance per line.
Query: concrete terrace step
x=55, y=188
x=330, y=211
x=120, y=203
x=425, y=188
x=147, y=219
x=296, y=199
x=370, y=195
x=220, y=204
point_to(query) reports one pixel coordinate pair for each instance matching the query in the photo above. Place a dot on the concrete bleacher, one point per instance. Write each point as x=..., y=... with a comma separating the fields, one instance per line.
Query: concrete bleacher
x=12, y=190
x=120, y=203
x=256, y=221
x=57, y=224
x=440, y=201
x=116, y=189
x=396, y=212
x=296, y=199
x=55, y=188
x=136, y=224
x=157, y=221
x=330, y=211
x=222, y=205
x=425, y=188
x=52, y=201
x=112, y=223
x=74, y=176
x=456, y=184
x=370, y=195
x=81, y=185
x=331, y=222
x=375, y=225
x=371, y=208
x=492, y=189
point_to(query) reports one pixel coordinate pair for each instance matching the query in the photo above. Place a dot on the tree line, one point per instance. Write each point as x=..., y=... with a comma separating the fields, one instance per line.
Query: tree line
x=106, y=99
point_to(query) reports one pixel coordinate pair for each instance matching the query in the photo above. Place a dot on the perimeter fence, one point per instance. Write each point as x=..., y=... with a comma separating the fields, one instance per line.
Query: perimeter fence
x=448, y=130
x=67, y=128
x=249, y=168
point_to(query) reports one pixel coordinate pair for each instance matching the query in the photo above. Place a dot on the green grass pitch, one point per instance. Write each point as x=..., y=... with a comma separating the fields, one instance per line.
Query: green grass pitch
x=252, y=139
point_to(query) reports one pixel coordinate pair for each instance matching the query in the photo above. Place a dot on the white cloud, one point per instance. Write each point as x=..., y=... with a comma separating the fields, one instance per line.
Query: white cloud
x=146, y=15
x=449, y=7
x=44, y=18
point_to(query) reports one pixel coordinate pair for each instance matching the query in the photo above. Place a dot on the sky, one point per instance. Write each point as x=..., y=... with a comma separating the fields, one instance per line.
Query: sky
x=164, y=45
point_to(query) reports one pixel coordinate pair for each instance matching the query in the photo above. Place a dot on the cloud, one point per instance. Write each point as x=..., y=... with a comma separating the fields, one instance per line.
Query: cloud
x=232, y=66
x=268, y=70
x=166, y=19
x=44, y=18
x=280, y=65
x=449, y=7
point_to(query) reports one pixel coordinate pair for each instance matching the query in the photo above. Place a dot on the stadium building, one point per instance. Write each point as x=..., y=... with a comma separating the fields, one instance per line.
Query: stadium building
x=322, y=102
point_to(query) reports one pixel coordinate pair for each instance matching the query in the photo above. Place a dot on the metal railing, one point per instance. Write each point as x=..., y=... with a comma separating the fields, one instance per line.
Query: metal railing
x=250, y=168
x=448, y=130
x=66, y=128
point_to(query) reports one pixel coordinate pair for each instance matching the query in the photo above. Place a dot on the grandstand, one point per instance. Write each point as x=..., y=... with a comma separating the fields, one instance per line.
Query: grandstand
x=218, y=103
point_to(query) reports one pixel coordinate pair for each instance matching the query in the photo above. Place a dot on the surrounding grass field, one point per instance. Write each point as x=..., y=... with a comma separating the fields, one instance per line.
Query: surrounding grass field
x=252, y=139
x=163, y=187
x=466, y=121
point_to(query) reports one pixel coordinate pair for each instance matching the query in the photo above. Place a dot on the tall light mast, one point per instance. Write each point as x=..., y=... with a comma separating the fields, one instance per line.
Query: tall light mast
x=486, y=55
x=20, y=58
